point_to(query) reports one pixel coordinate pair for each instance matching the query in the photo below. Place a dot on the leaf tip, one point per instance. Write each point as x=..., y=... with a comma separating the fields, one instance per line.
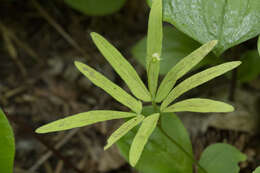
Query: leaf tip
x=78, y=64
x=214, y=42
x=40, y=130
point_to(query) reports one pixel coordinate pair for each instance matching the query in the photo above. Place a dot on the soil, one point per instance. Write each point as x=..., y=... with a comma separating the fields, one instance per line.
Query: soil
x=40, y=84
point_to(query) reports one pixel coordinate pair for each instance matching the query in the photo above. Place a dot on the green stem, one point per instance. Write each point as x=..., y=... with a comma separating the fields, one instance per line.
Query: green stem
x=178, y=145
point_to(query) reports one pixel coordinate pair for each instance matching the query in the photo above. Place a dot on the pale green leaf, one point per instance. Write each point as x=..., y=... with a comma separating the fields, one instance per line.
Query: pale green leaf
x=112, y=89
x=258, y=45
x=141, y=138
x=160, y=154
x=7, y=145
x=221, y=158
x=257, y=170
x=199, y=105
x=175, y=47
x=123, y=129
x=154, y=45
x=83, y=119
x=197, y=80
x=122, y=67
x=180, y=69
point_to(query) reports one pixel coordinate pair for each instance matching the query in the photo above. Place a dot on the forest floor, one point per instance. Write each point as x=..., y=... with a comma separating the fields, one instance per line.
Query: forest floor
x=39, y=84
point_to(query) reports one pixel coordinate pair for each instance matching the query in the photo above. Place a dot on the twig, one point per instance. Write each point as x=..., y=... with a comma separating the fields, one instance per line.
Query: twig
x=23, y=45
x=13, y=53
x=29, y=130
x=57, y=146
x=60, y=30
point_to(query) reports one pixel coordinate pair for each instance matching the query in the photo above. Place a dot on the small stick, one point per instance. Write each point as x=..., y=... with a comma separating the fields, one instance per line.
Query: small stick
x=60, y=30
x=49, y=153
x=23, y=45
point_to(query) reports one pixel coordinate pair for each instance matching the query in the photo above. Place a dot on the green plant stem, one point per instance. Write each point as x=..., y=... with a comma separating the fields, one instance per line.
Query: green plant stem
x=178, y=145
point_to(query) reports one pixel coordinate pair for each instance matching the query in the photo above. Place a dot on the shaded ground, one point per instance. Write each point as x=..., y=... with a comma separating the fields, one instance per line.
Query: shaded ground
x=39, y=84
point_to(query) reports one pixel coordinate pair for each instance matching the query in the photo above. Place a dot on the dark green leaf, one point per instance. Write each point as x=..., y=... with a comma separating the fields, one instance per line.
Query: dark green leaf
x=83, y=119
x=160, y=155
x=7, y=145
x=96, y=7
x=221, y=158
x=258, y=45
x=112, y=89
x=249, y=69
x=229, y=21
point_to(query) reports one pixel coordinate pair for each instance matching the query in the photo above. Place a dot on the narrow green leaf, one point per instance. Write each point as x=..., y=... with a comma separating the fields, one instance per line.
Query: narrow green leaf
x=112, y=89
x=122, y=67
x=141, y=138
x=154, y=45
x=180, y=69
x=197, y=80
x=258, y=45
x=221, y=158
x=123, y=129
x=7, y=145
x=199, y=105
x=257, y=170
x=83, y=119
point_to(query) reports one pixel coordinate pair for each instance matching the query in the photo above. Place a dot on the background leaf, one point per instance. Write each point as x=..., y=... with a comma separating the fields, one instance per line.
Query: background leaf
x=171, y=158
x=257, y=170
x=176, y=46
x=229, y=21
x=83, y=119
x=112, y=89
x=199, y=105
x=258, y=45
x=7, y=145
x=249, y=69
x=122, y=67
x=221, y=158
x=198, y=79
x=96, y=7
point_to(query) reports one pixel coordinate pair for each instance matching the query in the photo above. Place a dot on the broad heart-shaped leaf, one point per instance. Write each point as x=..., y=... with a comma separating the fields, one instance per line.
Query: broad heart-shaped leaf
x=122, y=67
x=96, y=7
x=154, y=45
x=249, y=69
x=258, y=45
x=160, y=155
x=221, y=158
x=181, y=68
x=83, y=119
x=175, y=47
x=7, y=145
x=123, y=129
x=112, y=89
x=199, y=105
x=141, y=138
x=229, y=21
x=257, y=170
x=197, y=80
